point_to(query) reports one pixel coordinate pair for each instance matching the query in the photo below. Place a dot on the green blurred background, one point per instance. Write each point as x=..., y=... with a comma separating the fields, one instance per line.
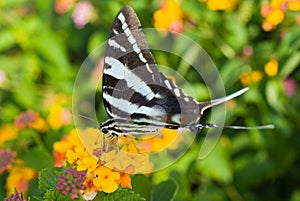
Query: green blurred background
x=253, y=43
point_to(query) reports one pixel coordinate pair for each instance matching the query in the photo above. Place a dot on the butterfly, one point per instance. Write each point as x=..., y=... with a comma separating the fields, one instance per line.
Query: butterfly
x=138, y=98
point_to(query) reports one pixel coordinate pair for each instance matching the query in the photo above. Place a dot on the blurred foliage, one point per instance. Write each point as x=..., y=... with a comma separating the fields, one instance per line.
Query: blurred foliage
x=253, y=43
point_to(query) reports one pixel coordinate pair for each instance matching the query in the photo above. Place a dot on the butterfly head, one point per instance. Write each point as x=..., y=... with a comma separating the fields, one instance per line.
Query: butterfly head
x=104, y=130
x=110, y=128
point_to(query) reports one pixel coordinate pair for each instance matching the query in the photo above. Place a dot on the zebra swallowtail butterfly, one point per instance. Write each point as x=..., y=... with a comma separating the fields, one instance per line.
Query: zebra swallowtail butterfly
x=137, y=97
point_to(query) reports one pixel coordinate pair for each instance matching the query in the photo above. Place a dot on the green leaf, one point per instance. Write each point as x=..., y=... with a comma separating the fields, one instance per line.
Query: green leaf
x=164, y=191
x=217, y=165
x=124, y=195
x=230, y=71
x=2, y=185
x=33, y=189
x=290, y=65
x=48, y=178
x=234, y=40
x=38, y=158
x=54, y=195
x=273, y=94
x=7, y=40
x=142, y=185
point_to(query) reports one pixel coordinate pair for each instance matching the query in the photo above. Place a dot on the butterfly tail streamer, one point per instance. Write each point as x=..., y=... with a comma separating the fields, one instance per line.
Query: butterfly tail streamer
x=205, y=105
x=208, y=125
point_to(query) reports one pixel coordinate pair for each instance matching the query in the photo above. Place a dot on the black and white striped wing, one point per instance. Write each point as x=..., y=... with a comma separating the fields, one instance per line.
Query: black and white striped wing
x=133, y=88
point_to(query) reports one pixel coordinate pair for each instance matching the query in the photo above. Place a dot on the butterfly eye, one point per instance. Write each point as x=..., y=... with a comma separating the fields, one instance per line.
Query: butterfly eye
x=104, y=130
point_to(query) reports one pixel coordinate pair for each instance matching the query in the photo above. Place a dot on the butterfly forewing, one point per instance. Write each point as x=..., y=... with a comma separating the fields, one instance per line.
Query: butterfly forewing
x=133, y=88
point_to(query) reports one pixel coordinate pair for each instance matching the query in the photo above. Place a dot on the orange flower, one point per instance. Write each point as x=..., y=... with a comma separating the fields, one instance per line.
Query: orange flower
x=169, y=16
x=62, y=6
x=91, y=190
x=125, y=179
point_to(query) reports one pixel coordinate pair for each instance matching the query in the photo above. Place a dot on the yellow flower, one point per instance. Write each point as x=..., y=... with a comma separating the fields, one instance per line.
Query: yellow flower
x=66, y=143
x=7, y=132
x=58, y=116
x=19, y=177
x=60, y=148
x=277, y=3
x=251, y=77
x=76, y=154
x=122, y=160
x=256, y=76
x=169, y=16
x=88, y=163
x=39, y=124
x=221, y=5
x=271, y=68
x=106, y=179
x=275, y=16
x=294, y=5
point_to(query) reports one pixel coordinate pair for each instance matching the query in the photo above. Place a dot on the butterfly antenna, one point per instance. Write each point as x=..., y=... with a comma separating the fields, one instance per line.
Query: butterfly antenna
x=208, y=125
x=205, y=105
x=85, y=117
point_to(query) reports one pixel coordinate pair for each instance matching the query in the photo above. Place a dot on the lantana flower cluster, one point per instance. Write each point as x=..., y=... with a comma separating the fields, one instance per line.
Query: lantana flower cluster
x=19, y=174
x=98, y=176
x=275, y=11
x=71, y=182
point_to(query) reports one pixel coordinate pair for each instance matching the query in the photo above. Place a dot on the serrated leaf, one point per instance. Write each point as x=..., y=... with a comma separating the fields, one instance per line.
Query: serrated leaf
x=54, y=195
x=124, y=195
x=48, y=178
x=33, y=189
x=164, y=191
